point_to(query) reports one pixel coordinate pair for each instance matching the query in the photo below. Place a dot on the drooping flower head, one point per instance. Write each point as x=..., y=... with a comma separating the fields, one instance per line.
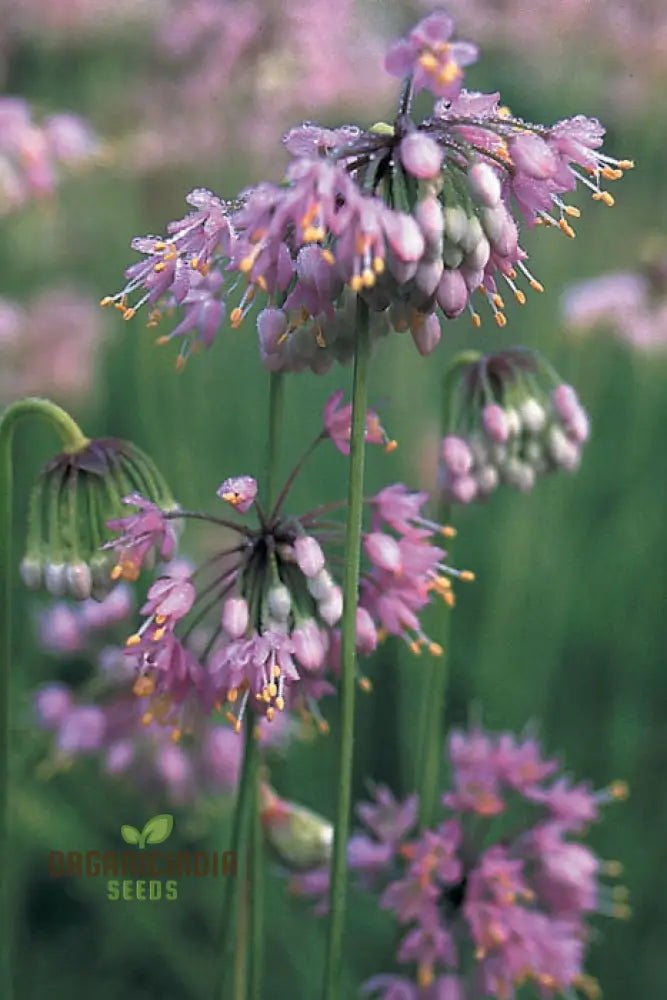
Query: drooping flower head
x=272, y=594
x=500, y=892
x=75, y=505
x=414, y=217
x=513, y=420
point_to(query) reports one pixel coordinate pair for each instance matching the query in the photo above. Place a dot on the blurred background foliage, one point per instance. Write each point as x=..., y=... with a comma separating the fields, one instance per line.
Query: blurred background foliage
x=565, y=626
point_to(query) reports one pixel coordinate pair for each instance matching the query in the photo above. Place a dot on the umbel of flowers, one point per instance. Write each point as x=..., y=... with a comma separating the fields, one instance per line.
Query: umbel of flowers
x=420, y=219
x=272, y=594
x=511, y=419
x=499, y=893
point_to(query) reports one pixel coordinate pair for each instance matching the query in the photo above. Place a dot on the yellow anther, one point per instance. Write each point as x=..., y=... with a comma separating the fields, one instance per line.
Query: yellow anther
x=269, y=714
x=328, y=257
x=435, y=649
x=261, y=282
x=116, y=572
x=572, y=211
x=448, y=531
x=319, y=337
x=275, y=670
x=147, y=718
x=160, y=619
x=467, y=576
x=390, y=446
x=366, y=684
x=323, y=726
x=235, y=318
x=106, y=301
x=160, y=245
x=619, y=790
x=480, y=954
x=382, y=634
x=520, y=296
x=588, y=985
x=176, y=734
x=501, y=319
x=607, y=199
x=449, y=598
x=612, y=868
x=313, y=234
x=273, y=690
x=428, y=61
x=621, y=912
x=498, y=300
x=476, y=320
x=626, y=164
x=133, y=640
x=143, y=686
x=128, y=314
x=237, y=726
x=232, y=695
x=566, y=228
x=356, y=283
x=160, y=266
x=536, y=285
x=414, y=648
x=158, y=634
x=424, y=975
x=620, y=893
x=247, y=263
x=180, y=363
x=161, y=341
x=378, y=265
x=280, y=704
x=368, y=277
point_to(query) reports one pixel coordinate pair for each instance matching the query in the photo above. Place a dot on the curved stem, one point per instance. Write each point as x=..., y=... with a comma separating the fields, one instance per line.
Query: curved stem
x=333, y=968
x=73, y=440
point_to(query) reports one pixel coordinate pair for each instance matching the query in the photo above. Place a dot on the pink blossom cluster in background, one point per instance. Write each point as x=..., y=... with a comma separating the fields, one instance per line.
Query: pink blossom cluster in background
x=269, y=55
x=49, y=345
x=623, y=45
x=76, y=20
x=632, y=304
x=32, y=155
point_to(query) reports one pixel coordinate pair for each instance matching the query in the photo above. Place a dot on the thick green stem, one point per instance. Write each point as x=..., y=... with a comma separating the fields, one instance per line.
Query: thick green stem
x=333, y=967
x=256, y=894
x=72, y=440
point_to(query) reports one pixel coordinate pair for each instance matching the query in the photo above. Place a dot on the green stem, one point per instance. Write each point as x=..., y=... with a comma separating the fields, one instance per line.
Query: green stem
x=276, y=394
x=234, y=886
x=333, y=968
x=431, y=730
x=73, y=440
x=256, y=894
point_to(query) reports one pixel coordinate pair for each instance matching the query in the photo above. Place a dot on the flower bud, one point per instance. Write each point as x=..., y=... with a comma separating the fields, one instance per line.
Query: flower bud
x=75, y=496
x=300, y=837
x=484, y=184
x=279, y=602
x=421, y=155
x=235, y=617
x=309, y=555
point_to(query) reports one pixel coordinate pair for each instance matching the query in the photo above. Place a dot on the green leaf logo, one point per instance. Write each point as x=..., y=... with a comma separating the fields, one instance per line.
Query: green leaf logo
x=130, y=834
x=155, y=831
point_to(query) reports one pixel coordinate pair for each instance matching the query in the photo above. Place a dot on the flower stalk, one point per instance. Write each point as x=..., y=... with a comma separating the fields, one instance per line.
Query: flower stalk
x=72, y=440
x=332, y=980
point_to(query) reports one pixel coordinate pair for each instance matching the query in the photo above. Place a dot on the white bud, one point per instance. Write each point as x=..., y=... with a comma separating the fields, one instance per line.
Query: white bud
x=55, y=578
x=532, y=414
x=79, y=581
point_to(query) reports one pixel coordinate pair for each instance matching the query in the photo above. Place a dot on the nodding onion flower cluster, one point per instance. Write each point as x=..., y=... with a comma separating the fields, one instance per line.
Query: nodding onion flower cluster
x=413, y=217
x=76, y=497
x=511, y=420
x=498, y=894
x=272, y=593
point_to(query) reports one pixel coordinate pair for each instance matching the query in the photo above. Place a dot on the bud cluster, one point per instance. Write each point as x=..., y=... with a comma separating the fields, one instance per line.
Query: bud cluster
x=75, y=496
x=511, y=420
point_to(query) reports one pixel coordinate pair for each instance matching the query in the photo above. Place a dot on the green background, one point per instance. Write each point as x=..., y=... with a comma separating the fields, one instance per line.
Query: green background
x=564, y=628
